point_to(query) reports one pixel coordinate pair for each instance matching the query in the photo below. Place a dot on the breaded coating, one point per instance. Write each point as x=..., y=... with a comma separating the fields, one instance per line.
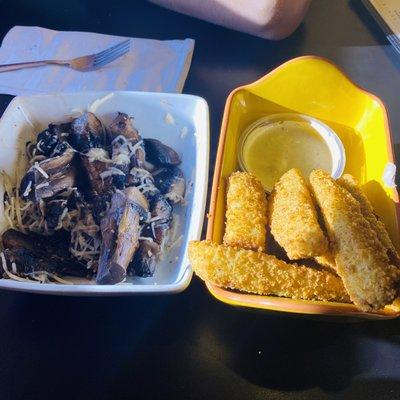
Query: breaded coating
x=351, y=185
x=327, y=260
x=246, y=212
x=293, y=218
x=361, y=260
x=260, y=273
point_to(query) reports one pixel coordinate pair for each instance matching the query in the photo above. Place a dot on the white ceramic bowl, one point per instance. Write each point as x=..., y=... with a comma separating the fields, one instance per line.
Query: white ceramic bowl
x=180, y=121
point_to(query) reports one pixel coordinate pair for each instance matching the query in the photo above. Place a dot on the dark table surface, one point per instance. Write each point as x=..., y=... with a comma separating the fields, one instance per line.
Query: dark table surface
x=189, y=346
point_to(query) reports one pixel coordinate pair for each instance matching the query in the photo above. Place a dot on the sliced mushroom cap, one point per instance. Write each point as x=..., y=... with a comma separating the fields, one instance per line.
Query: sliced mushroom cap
x=24, y=262
x=87, y=132
x=123, y=134
x=32, y=252
x=109, y=228
x=54, y=211
x=145, y=259
x=120, y=232
x=59, y=163
x=100, y=205
x=121, y=150
x=27, y=262
x=45, y=174
x=36, y=186
x=122, y=125
x=76, y=200
x=48, y=139
x=55, y=185
x=139, y=176
x=159, y=154
x=159, y=206
x=171, y=183
x=60, y=148
x=161, y=214
x=156, y=231
x=96, y=162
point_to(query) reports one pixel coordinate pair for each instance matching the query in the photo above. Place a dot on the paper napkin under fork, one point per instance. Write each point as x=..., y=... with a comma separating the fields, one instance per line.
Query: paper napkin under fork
x=151, y=65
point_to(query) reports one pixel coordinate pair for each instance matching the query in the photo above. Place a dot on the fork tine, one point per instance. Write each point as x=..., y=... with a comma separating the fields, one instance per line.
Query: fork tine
x=113, y=48
x=112, y=52
x=107, y=59
x=107, y=56
x=116, y=46
x=115, y=54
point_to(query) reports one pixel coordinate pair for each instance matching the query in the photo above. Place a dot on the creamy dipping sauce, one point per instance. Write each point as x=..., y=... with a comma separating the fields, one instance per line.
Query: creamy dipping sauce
x=270, y=149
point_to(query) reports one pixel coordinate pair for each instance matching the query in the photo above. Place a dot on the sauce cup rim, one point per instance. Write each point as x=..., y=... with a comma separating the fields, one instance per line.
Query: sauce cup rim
x=327, y=134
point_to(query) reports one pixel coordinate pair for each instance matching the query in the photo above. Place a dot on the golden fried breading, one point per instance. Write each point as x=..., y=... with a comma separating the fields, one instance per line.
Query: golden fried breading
x=293, y=218
x=327, y=260
x=246, y=212
x=361, y=260
x=351, y=185
x=260, y=273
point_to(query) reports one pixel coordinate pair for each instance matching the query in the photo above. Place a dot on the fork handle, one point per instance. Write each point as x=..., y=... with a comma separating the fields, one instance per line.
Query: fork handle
x=33, y=64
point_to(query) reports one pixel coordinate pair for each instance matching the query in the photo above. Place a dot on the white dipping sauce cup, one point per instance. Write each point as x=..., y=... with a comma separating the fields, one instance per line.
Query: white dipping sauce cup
x=327, y=134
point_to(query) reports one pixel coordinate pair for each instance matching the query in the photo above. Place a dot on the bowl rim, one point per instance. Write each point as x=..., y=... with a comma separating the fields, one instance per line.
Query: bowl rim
x=309, y=307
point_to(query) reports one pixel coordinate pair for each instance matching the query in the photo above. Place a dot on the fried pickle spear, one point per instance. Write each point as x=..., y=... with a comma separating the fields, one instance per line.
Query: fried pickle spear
x=351, y=185
x=327, y=260
x=246, y=212
x=260, y=273
x=361, y=260
x=293, y=218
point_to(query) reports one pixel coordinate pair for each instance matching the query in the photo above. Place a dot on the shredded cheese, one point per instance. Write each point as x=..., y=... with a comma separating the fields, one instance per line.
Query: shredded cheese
x=28, y=189
x=169, y=119
x=36, y=159
x=10, y=274
x=3, y=261
x=41, y=170
x=121, y=159
x=60, y=220
x=149, y=239
x=118, y=138
x=175, y=198
x=42, y=185
x=152, y=229
x=184, y=132
x=110, y=172
x=58, y=279
x=136, y=146
x=97, y=154
x=14, y=267
x=154, y=219
x=98, y=102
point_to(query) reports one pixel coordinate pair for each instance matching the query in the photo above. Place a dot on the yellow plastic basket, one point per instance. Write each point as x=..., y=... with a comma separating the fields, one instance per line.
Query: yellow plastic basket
x=316, y=87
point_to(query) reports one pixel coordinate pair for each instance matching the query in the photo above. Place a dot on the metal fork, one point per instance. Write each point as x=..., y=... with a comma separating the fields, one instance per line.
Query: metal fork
x=85, y=63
